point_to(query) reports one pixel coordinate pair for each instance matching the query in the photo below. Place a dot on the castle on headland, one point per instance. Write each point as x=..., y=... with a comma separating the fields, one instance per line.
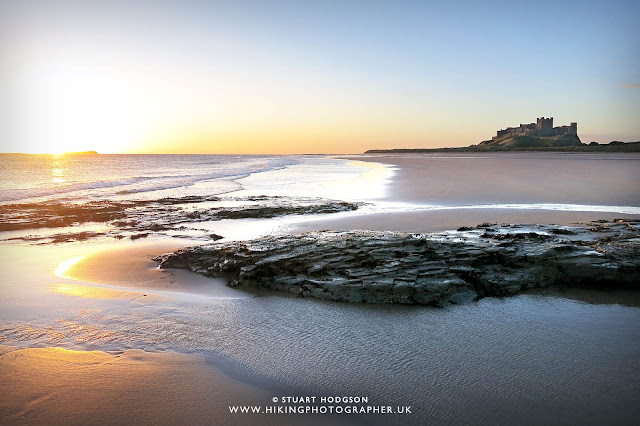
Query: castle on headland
x=542, y=127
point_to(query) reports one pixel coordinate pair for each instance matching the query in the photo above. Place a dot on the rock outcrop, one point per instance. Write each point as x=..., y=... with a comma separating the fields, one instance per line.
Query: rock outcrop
x=425, y=269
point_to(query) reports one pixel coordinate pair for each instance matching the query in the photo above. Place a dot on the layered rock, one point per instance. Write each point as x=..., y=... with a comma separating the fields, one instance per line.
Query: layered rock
x=425, y=269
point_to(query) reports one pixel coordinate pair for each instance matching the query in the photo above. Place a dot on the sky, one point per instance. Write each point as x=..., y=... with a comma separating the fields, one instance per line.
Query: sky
x=280, y=77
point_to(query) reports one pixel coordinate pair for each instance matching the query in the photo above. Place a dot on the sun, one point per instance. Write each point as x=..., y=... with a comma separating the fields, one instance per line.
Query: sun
x=74, y=108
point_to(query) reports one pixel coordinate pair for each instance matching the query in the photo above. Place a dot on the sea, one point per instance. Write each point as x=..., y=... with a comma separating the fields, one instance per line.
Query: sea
x=537, y=358
x=595, y=182
x=120, y=177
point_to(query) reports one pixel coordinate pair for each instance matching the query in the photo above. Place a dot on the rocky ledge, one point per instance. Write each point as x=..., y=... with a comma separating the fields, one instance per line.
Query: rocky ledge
x=140, y=218
x=425, y=269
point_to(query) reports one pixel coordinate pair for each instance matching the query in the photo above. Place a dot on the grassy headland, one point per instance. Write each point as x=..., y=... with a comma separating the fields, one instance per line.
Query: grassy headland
x=562, y=143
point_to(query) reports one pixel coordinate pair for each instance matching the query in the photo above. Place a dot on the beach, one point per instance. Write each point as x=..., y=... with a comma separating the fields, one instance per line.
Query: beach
x=94, y=332
x=437, y=192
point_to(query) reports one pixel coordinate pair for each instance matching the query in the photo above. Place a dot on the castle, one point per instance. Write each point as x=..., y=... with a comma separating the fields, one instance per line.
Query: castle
x=542, y=127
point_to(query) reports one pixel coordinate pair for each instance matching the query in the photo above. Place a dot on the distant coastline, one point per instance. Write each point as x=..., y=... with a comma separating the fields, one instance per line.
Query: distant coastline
x=44, y=153
x=615, y=146
x=81, y=153
x=538, y=136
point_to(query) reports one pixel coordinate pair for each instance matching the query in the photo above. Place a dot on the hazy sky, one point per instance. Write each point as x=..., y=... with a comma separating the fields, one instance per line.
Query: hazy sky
x=310, y=76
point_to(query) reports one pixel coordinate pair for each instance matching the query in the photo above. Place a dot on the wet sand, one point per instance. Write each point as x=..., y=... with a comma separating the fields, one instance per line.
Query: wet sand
x=461, y=179
x=461, y=184
x=80, y=387
x=134, y=267
x=60, y=386
x=443, y=220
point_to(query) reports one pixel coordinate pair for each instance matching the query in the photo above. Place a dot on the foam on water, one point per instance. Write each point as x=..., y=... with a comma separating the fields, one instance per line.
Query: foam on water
x=116, y=176
x=323, y=177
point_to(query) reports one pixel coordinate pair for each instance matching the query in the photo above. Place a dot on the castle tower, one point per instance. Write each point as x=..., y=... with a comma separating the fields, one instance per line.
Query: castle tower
x=544, y=123
x=573, y=129
x=544, y=126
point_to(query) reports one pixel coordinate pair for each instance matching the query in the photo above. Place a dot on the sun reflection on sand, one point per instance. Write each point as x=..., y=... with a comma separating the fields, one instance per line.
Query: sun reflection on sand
x=86, y=291
x=90, y=292
x=371, y=184
x=65, y=265
x=86, y=333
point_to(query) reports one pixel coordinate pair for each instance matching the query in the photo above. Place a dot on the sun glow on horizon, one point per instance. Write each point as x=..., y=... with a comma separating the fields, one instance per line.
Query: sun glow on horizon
x=78, y=110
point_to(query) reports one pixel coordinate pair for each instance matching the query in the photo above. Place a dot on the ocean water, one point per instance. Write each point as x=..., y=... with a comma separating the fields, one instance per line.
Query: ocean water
x=607, y=182
x=528, y=359
x=32, y=179
x=82, y=177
